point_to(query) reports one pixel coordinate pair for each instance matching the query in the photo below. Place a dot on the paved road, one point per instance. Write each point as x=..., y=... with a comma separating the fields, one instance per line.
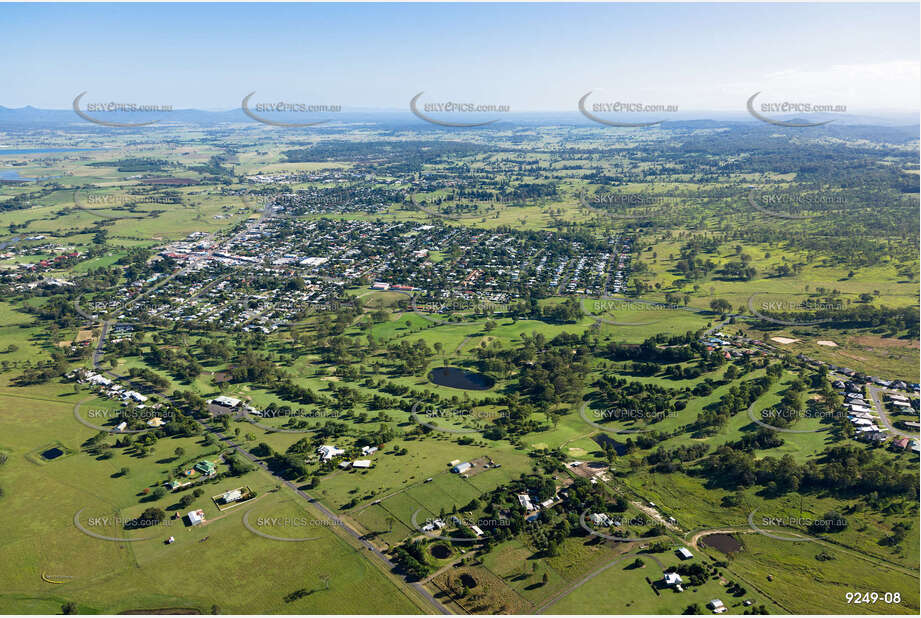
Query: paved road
x=876, y=394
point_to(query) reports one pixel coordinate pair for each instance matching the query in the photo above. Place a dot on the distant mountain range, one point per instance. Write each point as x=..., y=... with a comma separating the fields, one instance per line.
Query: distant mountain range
x=23, y=117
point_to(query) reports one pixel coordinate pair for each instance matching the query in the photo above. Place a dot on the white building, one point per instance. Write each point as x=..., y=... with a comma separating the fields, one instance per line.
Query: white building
x=232, y=496
x=328, y=451
x=196, y=517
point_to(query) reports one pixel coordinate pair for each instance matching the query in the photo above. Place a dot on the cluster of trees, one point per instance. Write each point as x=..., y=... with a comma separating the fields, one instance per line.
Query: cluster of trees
x=568, y=311
x=411, y=358
x=739, y=398
x=842, y=470
x=411, y=557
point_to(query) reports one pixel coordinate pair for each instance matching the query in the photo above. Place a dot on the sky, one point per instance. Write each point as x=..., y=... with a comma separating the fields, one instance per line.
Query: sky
x=531, y=57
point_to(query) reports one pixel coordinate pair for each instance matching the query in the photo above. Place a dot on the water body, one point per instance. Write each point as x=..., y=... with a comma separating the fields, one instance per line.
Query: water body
x=25, y=151
x=725, y=543
x=455, y=377
x=52, y=453
x=15, y=175
x=8, y=243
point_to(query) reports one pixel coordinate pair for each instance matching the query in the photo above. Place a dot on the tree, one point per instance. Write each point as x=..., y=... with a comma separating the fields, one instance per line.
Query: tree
x=179, y=452
x=69, y=608
x=719, y=305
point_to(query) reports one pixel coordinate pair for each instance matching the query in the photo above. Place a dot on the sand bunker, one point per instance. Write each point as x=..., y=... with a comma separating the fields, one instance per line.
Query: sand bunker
x=830, y=344
x=784, y=340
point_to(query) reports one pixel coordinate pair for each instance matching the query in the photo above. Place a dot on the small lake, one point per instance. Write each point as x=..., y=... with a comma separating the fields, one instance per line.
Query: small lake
x=15, y=175
x=52, y=453
x=725, y=543
x=25, y=151
x=455, y=377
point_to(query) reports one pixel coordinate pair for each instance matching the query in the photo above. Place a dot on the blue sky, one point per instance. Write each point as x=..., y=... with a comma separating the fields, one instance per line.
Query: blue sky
x=529, y=56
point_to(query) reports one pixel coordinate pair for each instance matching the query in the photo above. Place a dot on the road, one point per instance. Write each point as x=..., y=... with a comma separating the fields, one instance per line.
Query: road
x=329, y=514
x=877, y=561
x=567, y=591
x=876, y=394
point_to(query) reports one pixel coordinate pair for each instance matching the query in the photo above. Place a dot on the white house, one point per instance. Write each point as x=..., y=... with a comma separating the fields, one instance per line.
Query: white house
x=121, y=426
x=672, y=579
x=361, y=463
x=601, y=519
x=328, y=451
x=226, y=402
x=196, y=517
x=525, y=501
x=684, y=553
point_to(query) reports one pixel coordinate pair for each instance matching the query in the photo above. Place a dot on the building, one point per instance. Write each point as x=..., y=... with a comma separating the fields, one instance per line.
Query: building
x=196, y=517
x=436, y=524
x=121, y=426
x=232, y=496
x=206, y=467
x=717, y=606
x=380, y=285
x=601, y=519
x=684, y=553
x=525, y=501
x=328, y=451
x=361, y=463
x=155, y=422
x=672, y=579
x=461, y=467
x=368, y=450
x=136, y=396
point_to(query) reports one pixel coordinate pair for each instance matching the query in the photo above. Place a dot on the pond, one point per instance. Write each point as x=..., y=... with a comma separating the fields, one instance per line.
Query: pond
x=441, y=551
x=25, y=151
x=455, y=377
x=723, y=542
x=52, y=453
